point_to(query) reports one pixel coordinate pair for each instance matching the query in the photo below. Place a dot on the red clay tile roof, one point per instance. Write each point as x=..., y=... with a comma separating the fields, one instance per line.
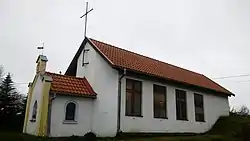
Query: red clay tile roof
x=121, y=58
x=70, y=85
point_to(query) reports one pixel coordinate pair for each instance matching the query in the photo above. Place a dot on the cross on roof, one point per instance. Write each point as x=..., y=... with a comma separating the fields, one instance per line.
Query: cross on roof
x=86, y=18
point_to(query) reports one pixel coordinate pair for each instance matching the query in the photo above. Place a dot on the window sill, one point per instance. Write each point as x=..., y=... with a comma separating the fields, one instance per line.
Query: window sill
x=32, y=120
x=160, y=117
x=69, y=122
x=201, y=121
x=182, y=119
x=133, y=116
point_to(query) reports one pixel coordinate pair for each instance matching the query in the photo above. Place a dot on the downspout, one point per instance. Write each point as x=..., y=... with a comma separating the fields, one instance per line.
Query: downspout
x=119, y=101
x=49, y=115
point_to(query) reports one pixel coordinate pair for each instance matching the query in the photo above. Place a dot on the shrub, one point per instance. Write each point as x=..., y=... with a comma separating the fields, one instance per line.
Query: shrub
x=90, y=136
x=73, y=138
x=246, y=133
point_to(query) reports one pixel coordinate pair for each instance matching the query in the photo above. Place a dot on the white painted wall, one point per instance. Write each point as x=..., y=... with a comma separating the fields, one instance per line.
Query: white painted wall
x=83, y=116
x=214, y=107
x=88, y=70
x=104, y=81
x=36, y=95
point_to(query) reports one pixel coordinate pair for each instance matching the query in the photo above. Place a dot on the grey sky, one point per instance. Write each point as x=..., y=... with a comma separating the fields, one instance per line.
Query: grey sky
x=206, y=36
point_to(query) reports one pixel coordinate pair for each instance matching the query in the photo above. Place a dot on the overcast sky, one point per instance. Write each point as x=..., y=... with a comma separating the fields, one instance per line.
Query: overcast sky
x=211, y=37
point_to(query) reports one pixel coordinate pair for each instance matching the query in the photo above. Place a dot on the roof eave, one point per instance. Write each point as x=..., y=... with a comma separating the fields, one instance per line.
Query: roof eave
x=73, y=63
x=93, y=96
x=121, y=68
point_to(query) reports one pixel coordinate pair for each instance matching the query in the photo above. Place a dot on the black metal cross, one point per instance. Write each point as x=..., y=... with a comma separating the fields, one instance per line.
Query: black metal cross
x=86, y=16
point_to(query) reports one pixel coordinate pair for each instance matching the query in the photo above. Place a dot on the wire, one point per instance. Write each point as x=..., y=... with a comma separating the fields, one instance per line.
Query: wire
x=21, y=83
x=235, y=76
x=244, y=81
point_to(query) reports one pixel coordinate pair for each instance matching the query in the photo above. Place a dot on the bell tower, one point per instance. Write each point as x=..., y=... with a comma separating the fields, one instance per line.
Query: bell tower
x=41, y=64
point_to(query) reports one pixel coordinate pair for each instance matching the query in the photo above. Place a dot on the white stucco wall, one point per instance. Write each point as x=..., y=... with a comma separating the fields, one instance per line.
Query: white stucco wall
x=214, y=107
x=36, y=95
x=83, y=116
x=104, y=81
x=88, y=70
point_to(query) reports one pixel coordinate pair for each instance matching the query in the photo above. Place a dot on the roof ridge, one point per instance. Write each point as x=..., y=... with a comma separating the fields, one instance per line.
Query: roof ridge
x=144, y=56
x=63, y=75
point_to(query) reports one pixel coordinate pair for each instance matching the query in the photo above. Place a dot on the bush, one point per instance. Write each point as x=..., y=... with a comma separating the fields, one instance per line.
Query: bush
x=90, y=136
x=246, y=133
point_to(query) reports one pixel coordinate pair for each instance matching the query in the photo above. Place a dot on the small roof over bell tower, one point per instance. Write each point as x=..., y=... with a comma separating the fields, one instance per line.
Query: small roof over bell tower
x=42, y=58
x=41, y=64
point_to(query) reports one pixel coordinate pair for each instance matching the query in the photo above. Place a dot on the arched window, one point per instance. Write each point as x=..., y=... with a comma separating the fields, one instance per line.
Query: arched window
x=70, y=111
x=34, y=112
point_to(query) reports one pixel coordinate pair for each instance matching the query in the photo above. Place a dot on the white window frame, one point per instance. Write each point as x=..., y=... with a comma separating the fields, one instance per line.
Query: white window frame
x=76, y=113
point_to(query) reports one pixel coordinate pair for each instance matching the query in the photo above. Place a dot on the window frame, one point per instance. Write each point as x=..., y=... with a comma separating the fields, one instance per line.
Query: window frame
x=203, y=109
x=133, y=93
x=84, y=57
x=164, y=93
x=181, y=101
x=75, y=113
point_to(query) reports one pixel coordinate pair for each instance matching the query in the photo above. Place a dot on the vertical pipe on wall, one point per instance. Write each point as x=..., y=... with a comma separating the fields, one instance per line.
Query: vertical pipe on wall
x=49, y=114
x=119, y=101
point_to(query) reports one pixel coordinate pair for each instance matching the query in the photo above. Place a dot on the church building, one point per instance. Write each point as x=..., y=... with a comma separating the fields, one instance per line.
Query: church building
x=107, y=90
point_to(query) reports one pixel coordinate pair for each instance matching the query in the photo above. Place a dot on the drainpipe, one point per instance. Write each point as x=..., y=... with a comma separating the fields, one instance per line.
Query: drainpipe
x=119, y=101
x=49, y=115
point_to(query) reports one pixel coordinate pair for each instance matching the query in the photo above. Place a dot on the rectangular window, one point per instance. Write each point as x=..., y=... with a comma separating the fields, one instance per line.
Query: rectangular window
x=133, y=97
x=181, y=104
x=85, y=57
x=199, y=107
x=159, y=93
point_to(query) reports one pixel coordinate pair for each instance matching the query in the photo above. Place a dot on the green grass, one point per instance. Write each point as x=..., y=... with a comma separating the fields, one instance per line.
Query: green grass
x=185, y=138
x=230, y=126
x=11, y=136
x=225, y=129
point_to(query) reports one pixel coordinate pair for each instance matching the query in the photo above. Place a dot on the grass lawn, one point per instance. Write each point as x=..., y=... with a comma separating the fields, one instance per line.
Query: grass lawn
x=225, y=129
x=186, y=138
x=12, y=136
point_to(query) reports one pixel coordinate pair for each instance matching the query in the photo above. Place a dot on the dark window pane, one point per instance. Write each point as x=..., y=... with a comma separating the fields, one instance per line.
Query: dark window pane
x=159, y=101
x=183, y=113
x=137, y=86
x=137, y=103
x=199, y=107
x=159, y=89
x=181, y=105
x=128, y=103
x=129, y=84
x=181, y=95
x=34, y=112
x=70, y=111
x=133, y=97
x=199, y=110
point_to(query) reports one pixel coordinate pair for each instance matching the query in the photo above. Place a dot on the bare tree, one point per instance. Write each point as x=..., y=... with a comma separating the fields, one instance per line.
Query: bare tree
x=244, y=111
x=233, y=111
x=1, y=73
